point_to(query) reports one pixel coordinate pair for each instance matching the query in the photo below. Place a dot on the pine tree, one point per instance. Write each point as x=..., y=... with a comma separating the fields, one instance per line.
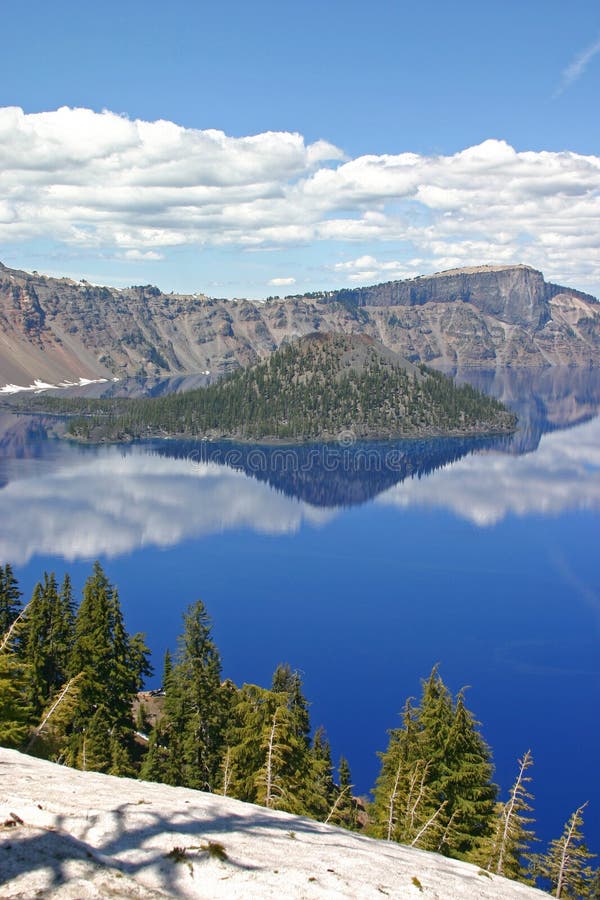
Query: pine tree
x=505, y=852
x=94, y=755
x=434, y=790
x=319, y=792
x=344, y=810
x=251, y=708
x=47, y=639
x=391, y=809
x=467, y=785
x=273, y=791
x=10, y=599
x=161, y=761
x=50, y=735
x=16, y=714
x=187, y=744
x=112, y=666
x=269, y=752
x=167, y=669
x=290, y=682
x=565, y=862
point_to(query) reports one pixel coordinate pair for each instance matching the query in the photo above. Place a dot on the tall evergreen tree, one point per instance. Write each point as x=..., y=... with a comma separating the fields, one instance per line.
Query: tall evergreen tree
x=16, y=714
x=167, y=669
x=187, y=745
x=506, y=851
x=467, y=785
x=251, y=709
x=434, y=790
x=565, y=864
x=290, y=682
x=48, y=638
x=319, y=792
x=112, y=666
x=344, y=811
x=269, y=752
x=10, y=599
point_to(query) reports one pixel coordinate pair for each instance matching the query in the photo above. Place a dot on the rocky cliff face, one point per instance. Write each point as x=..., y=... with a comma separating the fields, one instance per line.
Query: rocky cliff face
x=56, y=329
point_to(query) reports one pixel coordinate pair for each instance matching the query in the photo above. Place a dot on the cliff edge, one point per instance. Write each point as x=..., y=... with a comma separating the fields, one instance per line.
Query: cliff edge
x=56, y=329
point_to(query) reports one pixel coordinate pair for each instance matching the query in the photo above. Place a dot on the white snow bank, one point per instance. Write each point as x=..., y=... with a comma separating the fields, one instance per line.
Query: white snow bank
x=38, y=385
x=84, y=835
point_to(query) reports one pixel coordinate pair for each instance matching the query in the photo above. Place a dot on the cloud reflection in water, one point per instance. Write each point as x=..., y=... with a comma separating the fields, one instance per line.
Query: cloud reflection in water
x=113, y=503
x=563, y=474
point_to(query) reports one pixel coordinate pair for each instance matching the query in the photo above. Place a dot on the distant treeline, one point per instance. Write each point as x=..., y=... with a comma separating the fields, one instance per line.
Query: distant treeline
x=305, y=391
x=70, y=677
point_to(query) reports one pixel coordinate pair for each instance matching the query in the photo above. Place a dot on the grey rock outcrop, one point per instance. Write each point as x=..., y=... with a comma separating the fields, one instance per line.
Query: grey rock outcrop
x=517, y=295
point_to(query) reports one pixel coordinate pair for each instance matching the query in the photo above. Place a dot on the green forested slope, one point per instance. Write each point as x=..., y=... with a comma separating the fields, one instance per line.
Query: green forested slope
x=317, y=388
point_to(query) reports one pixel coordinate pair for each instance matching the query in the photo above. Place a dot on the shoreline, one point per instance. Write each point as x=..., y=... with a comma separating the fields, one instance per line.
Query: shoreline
x=345, y=438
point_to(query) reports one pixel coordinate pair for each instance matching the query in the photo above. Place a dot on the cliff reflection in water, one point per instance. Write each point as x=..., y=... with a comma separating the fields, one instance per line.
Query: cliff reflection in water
x=544, y=400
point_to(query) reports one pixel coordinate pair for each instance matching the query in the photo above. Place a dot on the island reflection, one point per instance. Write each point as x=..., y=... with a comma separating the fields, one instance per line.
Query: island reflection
x=60, y=499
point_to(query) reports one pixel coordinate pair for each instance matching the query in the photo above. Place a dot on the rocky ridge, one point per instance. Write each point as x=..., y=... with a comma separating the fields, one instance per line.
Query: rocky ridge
x=56, y=328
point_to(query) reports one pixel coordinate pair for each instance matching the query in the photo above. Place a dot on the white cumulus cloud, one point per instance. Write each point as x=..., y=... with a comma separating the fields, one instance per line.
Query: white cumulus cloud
x=122, y=186
x=282, y=282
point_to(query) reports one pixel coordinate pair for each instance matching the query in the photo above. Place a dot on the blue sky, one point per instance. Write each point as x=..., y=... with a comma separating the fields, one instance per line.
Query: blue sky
x=360, y=86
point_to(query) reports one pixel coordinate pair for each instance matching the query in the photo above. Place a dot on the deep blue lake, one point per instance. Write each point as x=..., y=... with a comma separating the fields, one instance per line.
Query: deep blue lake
x=360, y=565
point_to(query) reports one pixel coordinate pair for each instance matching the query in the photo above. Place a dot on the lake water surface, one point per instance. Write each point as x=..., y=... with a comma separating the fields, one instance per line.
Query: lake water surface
x=360, y=565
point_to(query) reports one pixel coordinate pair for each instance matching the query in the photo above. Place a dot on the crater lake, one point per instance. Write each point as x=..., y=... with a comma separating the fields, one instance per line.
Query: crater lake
x=362, y=565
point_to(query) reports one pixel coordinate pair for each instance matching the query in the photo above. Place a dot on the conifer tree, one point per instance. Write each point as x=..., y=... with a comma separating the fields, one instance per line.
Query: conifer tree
x=95, y=755
x=505, y=852
x=565, y=864
x=16, y=714
x=112, y=666
x=434, y=790
x=47, y=638
x=167, y=669
x=467, y=785
x=50, y=735
x=319, y=792
x=273, y=791
x=269, y=751
x=161, y=762
x=290, y=682
x=393, y=784
x=186, y=746
x=250, y=710
x=344, y=810
x=10, y=599
x=64, y=628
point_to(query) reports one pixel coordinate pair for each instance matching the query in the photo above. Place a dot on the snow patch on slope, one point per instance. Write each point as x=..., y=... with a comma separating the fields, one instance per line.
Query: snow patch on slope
x=85, y=835
x=39, y=386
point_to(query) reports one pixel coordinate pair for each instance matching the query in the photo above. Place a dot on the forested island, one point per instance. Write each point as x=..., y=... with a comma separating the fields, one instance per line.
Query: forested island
x=318, y=388
x=70, y=682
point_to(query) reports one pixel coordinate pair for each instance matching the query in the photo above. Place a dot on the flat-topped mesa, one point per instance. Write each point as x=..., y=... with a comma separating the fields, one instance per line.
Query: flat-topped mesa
x=517, y=295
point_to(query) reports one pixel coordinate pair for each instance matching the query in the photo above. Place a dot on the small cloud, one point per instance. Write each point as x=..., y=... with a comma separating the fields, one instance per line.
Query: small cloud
x=575, y=69
x=282, y=282
x=367, y=268
x=138, y=255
